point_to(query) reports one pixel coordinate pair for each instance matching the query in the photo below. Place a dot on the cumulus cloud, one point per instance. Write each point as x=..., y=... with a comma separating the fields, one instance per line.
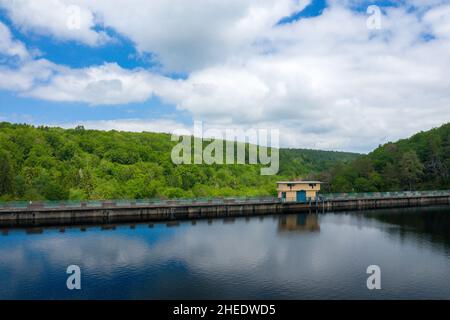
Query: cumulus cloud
x=130, y=125
x=24, y=77
x=184, y=35
x=190, y=35
x=10, y=47
x=439, y=20
x=26, y=70
x=61, y=19
x=328, y=81
x=106, y=84
x=332, y=83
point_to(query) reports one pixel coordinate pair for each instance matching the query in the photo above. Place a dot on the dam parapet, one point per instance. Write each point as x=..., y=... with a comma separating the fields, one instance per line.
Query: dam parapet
x=60, y=212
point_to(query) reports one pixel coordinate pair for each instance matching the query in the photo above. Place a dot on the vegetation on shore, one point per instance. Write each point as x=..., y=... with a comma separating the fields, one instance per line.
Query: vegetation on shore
x=421, y=162
x=42, y=163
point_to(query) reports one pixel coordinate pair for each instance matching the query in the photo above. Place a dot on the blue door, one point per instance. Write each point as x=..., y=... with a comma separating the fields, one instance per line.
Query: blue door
x=301, y=196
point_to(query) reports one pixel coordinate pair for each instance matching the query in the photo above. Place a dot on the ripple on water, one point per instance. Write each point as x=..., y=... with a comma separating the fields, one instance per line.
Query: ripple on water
x=251, y=259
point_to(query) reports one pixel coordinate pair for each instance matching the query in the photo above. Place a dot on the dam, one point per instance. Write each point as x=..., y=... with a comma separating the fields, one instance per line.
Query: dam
x=30, y=214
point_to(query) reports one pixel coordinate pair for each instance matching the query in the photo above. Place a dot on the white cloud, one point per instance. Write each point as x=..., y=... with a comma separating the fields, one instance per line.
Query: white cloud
x=130, y=125
x=26, y=75
x=58, y=18
x=10, y=47
x=183, y=34
x=190, y=35
x=106, y=84
x=328, y=82
x=331, y=83
x=439, y=20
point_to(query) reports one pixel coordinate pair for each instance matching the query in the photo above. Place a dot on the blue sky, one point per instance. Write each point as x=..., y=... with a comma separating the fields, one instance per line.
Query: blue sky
x=122, y=51
x=297, y=64
x=18, y=108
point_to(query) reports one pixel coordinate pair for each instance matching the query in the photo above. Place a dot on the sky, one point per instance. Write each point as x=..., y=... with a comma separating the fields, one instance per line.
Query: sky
x=341, y=75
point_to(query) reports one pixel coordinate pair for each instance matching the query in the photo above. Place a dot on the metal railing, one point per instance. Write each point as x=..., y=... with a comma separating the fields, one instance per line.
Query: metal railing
x=384, y=195
x=122, y=203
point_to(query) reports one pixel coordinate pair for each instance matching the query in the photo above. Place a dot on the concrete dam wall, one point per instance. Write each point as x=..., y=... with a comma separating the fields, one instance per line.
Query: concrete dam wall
x=107, y=212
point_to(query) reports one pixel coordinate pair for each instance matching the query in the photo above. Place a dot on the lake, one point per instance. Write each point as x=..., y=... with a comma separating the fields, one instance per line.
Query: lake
x=305, y=256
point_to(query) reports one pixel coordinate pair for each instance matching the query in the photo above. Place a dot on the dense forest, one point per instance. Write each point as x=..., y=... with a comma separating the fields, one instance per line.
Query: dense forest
x=421, y=162
x=42, y=163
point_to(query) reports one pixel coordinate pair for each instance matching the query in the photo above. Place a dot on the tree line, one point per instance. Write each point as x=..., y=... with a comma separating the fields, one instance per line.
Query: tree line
x=43, y=163
x=421, y=162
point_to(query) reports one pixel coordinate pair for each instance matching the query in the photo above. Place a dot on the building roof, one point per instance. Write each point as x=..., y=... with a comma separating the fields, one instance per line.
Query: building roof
x=299, y=182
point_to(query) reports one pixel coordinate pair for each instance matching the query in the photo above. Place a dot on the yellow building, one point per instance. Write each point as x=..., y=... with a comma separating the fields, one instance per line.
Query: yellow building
x=298, y=191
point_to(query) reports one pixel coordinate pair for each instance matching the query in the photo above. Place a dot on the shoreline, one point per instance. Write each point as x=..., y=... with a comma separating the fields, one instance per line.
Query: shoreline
x=111, y=212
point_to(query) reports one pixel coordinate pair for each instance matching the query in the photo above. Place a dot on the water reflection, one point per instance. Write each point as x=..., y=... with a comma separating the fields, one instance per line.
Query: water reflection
x=323, y=256
x=299, y=223
x=425, y=222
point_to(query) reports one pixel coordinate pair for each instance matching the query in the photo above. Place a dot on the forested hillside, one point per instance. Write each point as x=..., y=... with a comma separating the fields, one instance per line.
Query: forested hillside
x=421, y=162
x=53, y=163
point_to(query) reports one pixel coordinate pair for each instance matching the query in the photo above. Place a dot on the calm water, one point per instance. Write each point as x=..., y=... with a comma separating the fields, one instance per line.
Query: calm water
x=278, y=257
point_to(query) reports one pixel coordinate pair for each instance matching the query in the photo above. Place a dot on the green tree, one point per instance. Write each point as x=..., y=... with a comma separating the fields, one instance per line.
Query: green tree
x=341, y=184
x=39, y=163
x=411, y=168
x=6, y=174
